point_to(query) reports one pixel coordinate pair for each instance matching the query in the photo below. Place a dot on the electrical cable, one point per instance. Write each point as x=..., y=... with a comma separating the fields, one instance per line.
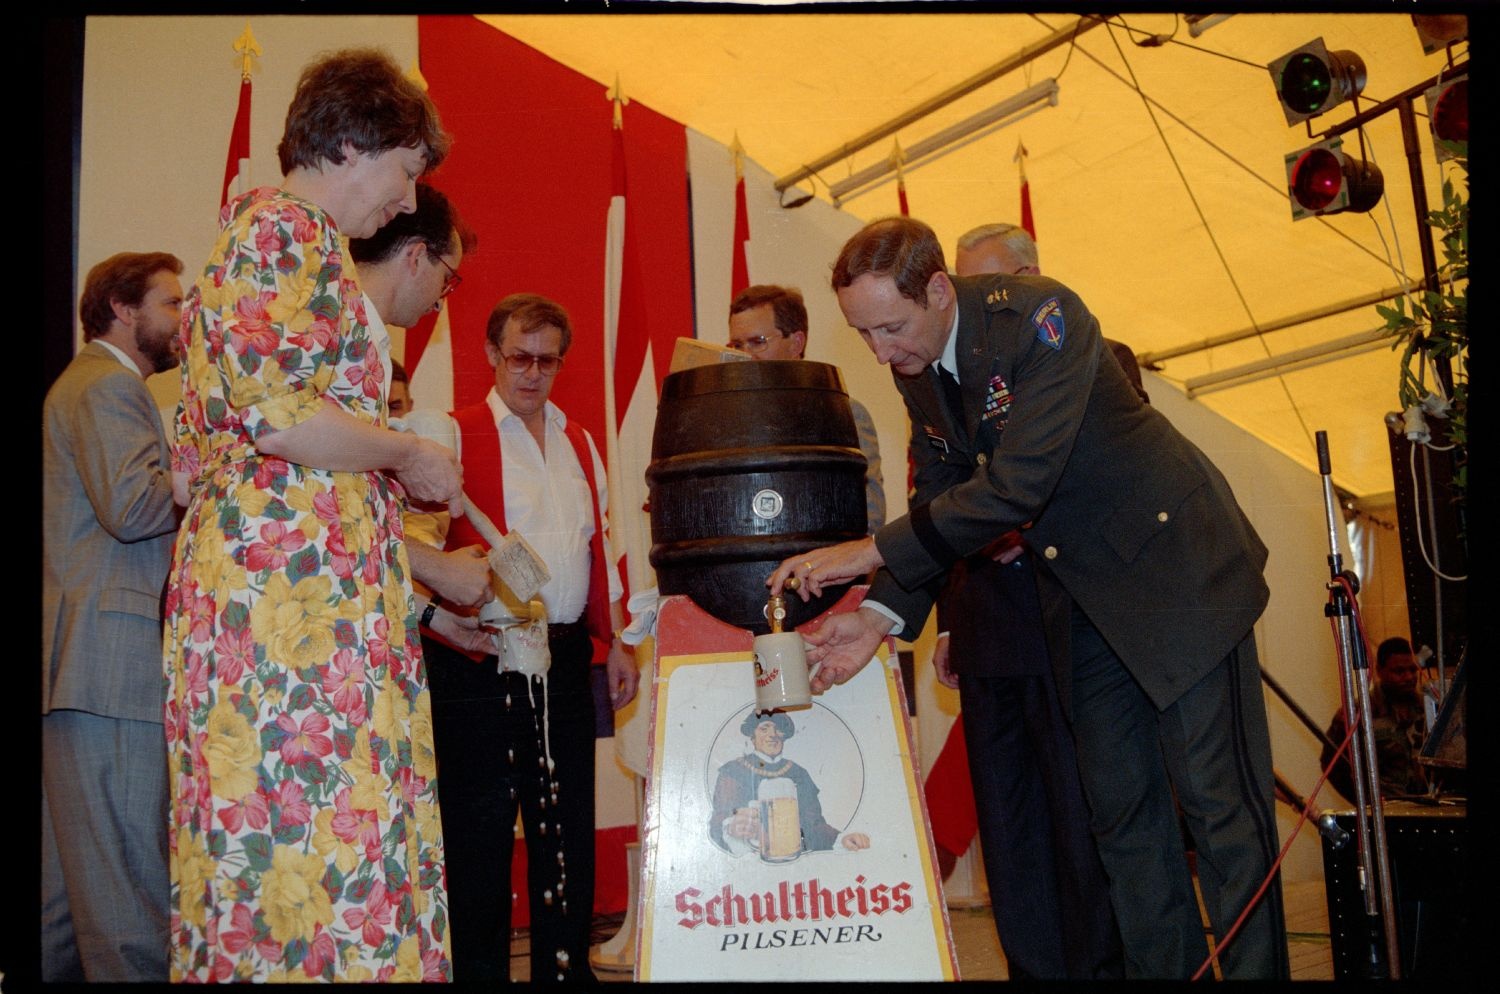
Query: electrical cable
x=1306, y=815
x=1280, y=190
x=1072, y=44
x=1421, y=544
x=1391, y=217
x=1307, y=812
x=1208, y=229
x=1135, y=85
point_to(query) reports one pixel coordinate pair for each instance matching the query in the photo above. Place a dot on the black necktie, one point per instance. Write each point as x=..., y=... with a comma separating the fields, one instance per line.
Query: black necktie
x=951, y=395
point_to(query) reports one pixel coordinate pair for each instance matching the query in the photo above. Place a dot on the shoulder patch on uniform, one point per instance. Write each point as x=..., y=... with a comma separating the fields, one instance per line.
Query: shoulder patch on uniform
x=1048, y=320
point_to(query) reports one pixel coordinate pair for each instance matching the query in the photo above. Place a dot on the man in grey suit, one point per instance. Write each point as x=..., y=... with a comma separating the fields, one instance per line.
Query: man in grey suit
x=109, y=524
x=1006, y=381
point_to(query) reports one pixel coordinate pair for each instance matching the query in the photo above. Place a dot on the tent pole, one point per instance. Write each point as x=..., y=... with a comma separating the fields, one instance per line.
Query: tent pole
x=1021, y=58
x=1151, y=359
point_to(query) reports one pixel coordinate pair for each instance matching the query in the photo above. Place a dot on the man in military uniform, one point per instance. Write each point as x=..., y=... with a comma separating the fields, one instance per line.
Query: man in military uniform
x=1162, y=569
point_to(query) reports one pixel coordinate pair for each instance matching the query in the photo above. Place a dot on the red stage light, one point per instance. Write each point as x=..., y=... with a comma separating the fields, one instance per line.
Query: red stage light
x=1448, y=112
x=1317, y=178
x=1321, y=179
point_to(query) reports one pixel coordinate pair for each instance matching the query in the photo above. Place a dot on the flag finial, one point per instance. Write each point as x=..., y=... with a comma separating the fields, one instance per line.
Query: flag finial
x=248, y=49
x=738, y=152
x=898, y=159
x=415, y=75
x=617, y=94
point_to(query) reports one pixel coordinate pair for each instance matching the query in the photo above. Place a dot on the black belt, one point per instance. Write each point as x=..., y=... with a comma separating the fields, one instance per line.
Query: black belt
x=571, y=630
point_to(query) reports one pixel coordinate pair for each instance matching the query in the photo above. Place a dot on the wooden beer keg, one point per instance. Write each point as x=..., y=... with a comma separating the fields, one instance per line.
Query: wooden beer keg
x=751, y=462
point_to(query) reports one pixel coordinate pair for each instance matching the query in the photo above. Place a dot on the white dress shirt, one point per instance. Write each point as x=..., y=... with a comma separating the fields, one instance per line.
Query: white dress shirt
x=949, y=361
x=547, y=503
x=380, y=337
x=125, y=360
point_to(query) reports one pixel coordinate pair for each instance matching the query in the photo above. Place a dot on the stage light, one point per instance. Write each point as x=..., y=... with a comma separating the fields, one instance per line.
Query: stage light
x=1310, y=79
x=1448, y=113
x=1321, y=179
x=1437, y=31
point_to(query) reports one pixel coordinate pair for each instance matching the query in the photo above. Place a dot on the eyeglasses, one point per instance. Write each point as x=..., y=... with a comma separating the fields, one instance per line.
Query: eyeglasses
x=521, y=362
x=752, y=345
x=453, y=280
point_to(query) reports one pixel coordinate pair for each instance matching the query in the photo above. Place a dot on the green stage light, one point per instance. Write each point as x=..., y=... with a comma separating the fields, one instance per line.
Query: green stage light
x=1310, y=79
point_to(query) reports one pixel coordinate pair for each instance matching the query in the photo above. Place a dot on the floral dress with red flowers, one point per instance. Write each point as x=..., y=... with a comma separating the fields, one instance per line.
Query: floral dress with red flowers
x=305, y=835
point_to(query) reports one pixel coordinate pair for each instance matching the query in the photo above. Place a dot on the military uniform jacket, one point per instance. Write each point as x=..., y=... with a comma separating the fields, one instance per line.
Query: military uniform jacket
x=1129, y=517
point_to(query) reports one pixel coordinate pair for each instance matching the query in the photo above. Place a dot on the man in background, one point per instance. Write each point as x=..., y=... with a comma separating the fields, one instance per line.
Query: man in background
x=1019, y=420
x=770, y=322
x=399, y=402
x=1048, y=890
x=109, y=522
x=1400, y=726
x=506, y=741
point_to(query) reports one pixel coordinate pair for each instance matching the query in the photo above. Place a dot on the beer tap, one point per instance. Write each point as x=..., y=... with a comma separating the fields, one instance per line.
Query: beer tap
x=776, y=606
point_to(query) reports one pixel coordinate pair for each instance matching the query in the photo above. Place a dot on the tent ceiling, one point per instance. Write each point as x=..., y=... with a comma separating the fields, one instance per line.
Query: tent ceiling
x=1114, y=218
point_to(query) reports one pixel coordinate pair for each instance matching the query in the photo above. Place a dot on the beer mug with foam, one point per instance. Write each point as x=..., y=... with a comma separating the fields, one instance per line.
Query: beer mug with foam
x=780, y=838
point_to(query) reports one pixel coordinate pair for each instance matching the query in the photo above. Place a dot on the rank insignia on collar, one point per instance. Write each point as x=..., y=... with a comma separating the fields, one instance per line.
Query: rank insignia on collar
x=935, y=438
x=997, y=296
x=1048, y=320
x=996, y=401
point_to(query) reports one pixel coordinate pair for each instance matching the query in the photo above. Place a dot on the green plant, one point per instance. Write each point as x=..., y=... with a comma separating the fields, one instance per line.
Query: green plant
x=1433, y=327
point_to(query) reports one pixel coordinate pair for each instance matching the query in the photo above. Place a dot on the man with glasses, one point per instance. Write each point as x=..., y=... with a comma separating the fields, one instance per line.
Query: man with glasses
x=534, y=472
x=406, y=269
x=770, y=322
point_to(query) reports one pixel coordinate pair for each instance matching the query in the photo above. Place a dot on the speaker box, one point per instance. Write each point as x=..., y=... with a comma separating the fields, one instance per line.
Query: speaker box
x=1429, y=870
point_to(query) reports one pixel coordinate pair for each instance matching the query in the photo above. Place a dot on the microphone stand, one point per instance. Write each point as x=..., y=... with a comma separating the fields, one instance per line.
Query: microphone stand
x=1354, y=678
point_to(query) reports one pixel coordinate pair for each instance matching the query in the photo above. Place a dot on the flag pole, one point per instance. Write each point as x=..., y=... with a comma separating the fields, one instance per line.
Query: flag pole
x=614, y=271
x=898, y=158
x=739, y=273
x=1027, y=221
x=237, y=162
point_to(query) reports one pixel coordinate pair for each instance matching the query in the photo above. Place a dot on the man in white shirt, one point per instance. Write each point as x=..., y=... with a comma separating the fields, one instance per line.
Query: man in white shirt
x=109, y=522
x=505, y=740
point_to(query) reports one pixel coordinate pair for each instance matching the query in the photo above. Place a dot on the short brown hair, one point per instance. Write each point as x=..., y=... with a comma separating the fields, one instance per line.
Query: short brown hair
x=124, y=277
x=786, y=306
x=435, y=223
x=902, y=248
x=358, y=96
x=532, y=312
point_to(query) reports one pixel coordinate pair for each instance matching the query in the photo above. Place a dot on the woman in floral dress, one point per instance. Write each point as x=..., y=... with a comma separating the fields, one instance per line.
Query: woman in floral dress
x=305, y=834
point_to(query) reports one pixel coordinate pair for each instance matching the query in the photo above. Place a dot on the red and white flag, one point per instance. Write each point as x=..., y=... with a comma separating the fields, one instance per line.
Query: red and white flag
x=739, y=277
x=1026, y=220
x=237, y=163
x=899, y=157
x=629, y=379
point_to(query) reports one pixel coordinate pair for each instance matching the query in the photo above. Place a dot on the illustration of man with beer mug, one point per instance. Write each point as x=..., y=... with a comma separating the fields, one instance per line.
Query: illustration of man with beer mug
x=767, y=804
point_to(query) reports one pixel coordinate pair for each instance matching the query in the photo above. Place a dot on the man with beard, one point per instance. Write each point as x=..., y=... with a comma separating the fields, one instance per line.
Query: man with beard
x=109, y=522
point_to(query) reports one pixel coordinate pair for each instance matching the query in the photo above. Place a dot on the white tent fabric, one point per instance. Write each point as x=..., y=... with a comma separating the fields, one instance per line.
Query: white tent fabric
x=1114, y=218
